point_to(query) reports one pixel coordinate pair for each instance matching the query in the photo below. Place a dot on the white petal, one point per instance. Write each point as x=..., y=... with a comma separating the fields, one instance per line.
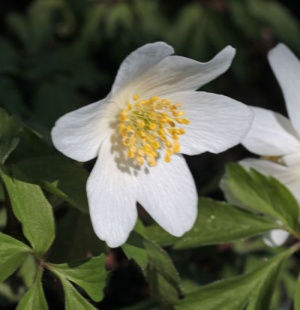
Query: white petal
x=271, y=134
x=168, y=193
x=216, y=122
x=289, y=176
x=286, y=67
x=176, y=73
x=79, y=134
x=292, y=159
x=276, y=237
x=112, y=195
x=139, y=62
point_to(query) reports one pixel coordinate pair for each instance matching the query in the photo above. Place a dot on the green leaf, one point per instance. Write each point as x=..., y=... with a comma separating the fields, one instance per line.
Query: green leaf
x=12, y=254
x=261, y=194
x=219, y=222
x=9, y=58
x=162, y=275
x=73, y=300
x=158, y=235
x=242, y=17
x=31, y=208
x=73, y=244
x=31, y=145
x=34, y=298
x=283, y=23
x=10, y=128
x=249, y=291
x=297, y=295
x=60, y=176
x=134, y=248
x=28, y=270
x=11, y=96
x=89, y=274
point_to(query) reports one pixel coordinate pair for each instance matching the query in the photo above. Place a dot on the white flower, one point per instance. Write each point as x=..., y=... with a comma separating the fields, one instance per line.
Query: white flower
x=137, y=132
x=275, y=137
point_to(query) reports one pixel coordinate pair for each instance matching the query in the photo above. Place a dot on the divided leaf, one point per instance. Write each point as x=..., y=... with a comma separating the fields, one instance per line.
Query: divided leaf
x=12, y=254
x=73, y=300
x=162, y=275
x=34, y=298
x=31, y=208
x=10, y=129
x=250, y=291
x=219, y=222
x=261, y=194
x=90, y=274
x=134, y=249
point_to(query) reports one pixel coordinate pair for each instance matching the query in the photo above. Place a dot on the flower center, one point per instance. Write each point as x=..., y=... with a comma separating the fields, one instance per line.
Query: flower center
x=149, y=125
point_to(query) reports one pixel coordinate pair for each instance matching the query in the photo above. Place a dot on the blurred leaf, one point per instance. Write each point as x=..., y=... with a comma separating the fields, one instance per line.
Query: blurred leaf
x=119, y=17
x=285, y=25
x=162, y=275
x=34, y=298
x=60, y=176
x=90, y=274
x=190, y=32
x=12, y=254
x=17, y=24
x=250, y=291
x=243, y=19
x=31, y=208
x=297, y=295
x=134, y=249
x=75, y=238
x=10, y=293
x=90, y=33
x=73, y=300
x=28, y=270
x=219, y=222
x=31, y=145
x=3, y=218
x=45, y=18
x=9, y=58
x=11, y=97
x=10, y=129
x=262, y=194
x=53, y=99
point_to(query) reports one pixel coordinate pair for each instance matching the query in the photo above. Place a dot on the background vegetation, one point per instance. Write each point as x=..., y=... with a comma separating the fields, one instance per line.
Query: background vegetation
x=58, y=55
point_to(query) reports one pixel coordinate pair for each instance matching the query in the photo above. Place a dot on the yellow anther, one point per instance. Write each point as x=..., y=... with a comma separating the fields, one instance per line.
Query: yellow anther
x=168, y=143
x=152, y=126
x=154, y=98
x=139, y=160
x=126, y=141
x=167, y=158
x=130, y=154
x=176, y=147
x=149, y=125
x=140, y=123
x=171, y=123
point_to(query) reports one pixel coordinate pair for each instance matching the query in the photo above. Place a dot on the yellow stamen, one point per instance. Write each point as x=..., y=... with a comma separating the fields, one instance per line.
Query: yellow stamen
x=150, y=125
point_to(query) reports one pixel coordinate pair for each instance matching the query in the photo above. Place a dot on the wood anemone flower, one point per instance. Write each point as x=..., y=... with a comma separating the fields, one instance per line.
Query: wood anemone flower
x=138, y=132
